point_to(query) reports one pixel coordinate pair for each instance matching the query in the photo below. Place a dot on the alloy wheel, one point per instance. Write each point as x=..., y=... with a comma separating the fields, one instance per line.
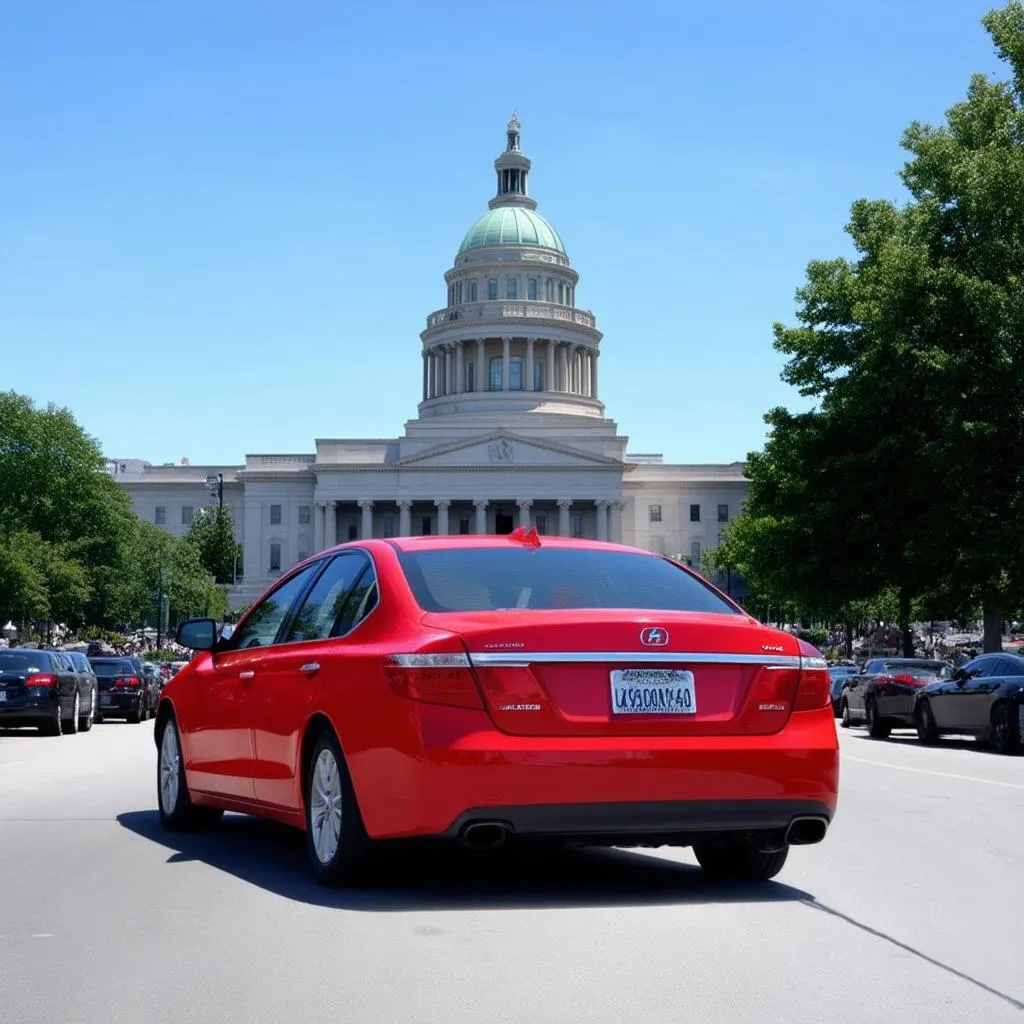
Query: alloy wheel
x=170, y=769
x=325, y=799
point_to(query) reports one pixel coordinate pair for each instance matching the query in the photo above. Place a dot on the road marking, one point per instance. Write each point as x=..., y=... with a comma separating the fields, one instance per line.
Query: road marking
x=941, y=775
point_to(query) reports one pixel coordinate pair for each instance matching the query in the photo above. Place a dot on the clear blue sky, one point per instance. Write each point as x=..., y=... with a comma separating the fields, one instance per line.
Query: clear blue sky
x=223, y=222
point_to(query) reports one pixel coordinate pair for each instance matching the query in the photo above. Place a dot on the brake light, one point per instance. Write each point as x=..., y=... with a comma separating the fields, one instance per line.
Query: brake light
x=434, y=679
x=42, y=679
x=130, y=681
x=814, y=689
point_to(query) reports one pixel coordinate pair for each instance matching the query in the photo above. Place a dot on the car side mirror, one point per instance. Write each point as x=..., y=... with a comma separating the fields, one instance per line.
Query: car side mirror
x=199, y=634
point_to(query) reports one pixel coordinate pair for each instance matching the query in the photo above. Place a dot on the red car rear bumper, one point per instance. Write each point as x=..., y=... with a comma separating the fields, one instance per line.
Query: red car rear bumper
x=464, y=771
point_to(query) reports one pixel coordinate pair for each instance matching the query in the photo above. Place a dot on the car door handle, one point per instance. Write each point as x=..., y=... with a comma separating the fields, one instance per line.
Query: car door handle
x=310, y=666
x=247, y=673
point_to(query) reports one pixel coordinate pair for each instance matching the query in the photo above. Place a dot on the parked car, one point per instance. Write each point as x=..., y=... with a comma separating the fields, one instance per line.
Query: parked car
x=984, y=698
x=155, y=679
x=45, y=689
x=838, y=675
x=125, y=692
x=485, y=689
x=882, y=695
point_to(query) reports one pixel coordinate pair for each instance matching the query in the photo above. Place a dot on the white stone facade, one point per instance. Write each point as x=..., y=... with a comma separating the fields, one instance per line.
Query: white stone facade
x=510, y=430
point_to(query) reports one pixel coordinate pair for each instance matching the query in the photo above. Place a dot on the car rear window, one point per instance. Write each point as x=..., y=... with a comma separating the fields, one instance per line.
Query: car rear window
x=468, y=579
x=24, y=662
x=112, y=667
x=917, y=669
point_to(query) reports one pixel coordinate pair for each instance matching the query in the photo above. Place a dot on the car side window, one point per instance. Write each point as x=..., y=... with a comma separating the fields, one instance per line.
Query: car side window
x=259, y=629
x=362, y=599
x=329, y=599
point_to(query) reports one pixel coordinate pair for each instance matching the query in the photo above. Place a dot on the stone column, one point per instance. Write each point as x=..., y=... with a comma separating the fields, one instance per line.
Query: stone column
x=460, y=370
x=529, y=364
x=615, y=521
x=366, y=530
x=585, y=373
x=426, y=375
x=564, y=525
x=593, y=373
x=442, y=505
x=480, y=373
x=563, y=359
x=318, y=526
x=549, y=382
x=331, y=532
x=602, y=519
x=506, y=362
x=404, y=517
x=525, y=504
x=480, y=504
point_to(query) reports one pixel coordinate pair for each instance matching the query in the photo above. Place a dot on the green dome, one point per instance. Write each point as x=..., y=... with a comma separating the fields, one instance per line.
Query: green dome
x=512, y=225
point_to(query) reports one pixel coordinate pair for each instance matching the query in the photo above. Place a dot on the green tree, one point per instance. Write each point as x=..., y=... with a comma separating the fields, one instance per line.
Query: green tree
x=212, y=532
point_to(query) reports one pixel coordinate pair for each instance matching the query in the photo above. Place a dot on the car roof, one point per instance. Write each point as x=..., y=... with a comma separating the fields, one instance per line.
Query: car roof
x=456, y=541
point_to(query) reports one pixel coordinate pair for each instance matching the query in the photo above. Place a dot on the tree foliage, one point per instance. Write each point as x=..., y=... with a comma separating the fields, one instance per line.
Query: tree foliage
x=212, y=533
x=906, y=476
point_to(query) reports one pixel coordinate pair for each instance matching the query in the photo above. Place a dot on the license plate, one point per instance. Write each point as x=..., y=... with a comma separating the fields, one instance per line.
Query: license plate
x=3, y=696
x=653, y=691
x=106, y=699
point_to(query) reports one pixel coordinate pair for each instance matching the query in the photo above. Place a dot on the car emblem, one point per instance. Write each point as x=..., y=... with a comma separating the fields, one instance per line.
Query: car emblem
x=771, y=647
x=654, y=636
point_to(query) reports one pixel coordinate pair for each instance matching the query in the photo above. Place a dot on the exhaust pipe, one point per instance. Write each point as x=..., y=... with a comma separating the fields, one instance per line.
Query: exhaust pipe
x=806, y=831
x=485, y=835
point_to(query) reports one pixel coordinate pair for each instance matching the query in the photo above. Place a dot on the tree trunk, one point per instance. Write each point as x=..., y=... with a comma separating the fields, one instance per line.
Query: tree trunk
x=992, y=627
x=906, y=636
x=848, y=643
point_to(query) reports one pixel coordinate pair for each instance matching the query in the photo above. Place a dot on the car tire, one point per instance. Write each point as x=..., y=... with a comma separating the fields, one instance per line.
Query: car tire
x=85, y=721
x=55, y=725
x=739, y=861
x=336, y=838
x=924, y=722
x=1004, y=734
x=877, y=729
x=70, y=726
x=177, y=811
x=844, y=714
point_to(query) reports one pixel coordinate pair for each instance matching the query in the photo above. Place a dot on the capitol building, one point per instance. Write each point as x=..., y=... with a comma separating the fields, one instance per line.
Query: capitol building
x=510, y=429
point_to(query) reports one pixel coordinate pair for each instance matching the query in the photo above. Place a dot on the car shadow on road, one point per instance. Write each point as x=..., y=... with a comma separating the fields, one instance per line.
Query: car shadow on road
x=909, y=739
x=446, y=877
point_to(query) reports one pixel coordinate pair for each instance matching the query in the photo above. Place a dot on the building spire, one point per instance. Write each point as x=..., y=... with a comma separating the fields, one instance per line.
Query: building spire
x=513, y=169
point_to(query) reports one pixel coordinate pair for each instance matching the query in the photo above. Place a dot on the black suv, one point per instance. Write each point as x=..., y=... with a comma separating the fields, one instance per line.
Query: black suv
x=125, y=691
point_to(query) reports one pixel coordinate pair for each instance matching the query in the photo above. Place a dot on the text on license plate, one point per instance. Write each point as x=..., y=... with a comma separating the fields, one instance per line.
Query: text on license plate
x=653, y=691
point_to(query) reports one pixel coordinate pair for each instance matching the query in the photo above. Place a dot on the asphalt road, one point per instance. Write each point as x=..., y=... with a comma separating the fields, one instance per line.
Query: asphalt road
x=913, y=906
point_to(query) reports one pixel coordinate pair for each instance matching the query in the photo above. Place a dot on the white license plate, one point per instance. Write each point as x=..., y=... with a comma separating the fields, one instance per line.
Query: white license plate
x=653, y=691
x=105, y=699
x=3, y=696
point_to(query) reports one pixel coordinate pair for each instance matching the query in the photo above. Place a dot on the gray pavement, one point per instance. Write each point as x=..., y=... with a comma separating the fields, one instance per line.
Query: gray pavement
x=911, y=908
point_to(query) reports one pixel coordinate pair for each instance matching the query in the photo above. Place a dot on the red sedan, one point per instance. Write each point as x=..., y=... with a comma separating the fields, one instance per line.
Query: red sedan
x=486, y=689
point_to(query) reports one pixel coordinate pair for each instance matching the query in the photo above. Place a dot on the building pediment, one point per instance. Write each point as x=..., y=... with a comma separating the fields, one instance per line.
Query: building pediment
x=503, y=450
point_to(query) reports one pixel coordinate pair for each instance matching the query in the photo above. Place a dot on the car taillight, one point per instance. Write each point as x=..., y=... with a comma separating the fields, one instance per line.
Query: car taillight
x=130, y=681
x=42, y=679
x=814, y=689
x=434, y=679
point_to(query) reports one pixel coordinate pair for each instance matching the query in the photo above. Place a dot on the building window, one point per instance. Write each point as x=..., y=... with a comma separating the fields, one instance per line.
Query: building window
x=538, y=375
x=275, y=557
x=654, y=513
x=275, y=515
x=511, y=288
x=576, y=525
x=531, y=288
x=695, y=513
x=561, y=292
x=492, y=288
x=723, y=513
x=464, y=526
x=187, y=512
x=470, y=377
x=389, y=526
x=353, y=532
x=542, y=523
x=425, y=526
x=695, y=554
x=472, y=291
x=458, y=294
x=515, y=374
x=549, y=290
x=160, y=515
x=305, y=514
x=495, y=384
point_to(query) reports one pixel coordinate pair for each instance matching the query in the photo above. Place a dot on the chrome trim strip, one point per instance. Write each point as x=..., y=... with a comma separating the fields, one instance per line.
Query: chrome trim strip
x=522, y=658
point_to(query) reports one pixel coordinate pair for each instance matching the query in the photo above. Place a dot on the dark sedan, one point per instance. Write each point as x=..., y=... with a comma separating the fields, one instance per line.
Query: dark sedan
x=43, y=688
x=838, y=674
x=984, y=699
x=882, y=694
x=125, y=691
